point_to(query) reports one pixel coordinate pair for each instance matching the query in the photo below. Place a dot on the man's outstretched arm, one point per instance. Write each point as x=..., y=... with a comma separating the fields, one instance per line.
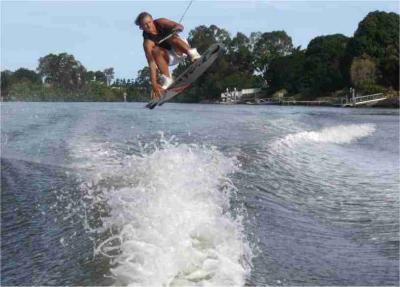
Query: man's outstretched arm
x=148, y=46
x=169, y=24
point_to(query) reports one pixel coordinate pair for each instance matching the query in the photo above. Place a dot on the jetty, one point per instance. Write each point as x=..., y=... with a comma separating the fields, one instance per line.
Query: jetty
x=245, y=96
x=363, y=100
x=255, y=97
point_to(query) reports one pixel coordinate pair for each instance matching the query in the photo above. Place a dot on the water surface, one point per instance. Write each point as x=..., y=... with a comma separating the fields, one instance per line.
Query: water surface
x=112, y=193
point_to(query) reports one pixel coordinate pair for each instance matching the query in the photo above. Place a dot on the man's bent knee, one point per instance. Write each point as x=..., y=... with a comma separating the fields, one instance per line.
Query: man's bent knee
x=157, y=51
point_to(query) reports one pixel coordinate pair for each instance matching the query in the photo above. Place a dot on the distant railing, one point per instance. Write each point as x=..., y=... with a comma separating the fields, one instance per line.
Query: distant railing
x=369, y=97
x=290, y=102
x=360, y=100
x=252, y=96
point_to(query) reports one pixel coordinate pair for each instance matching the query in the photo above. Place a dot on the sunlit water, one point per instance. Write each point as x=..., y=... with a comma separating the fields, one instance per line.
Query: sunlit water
x=198, y=195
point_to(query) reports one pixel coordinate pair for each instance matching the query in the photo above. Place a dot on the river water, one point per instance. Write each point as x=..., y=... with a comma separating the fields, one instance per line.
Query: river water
x=190, y=195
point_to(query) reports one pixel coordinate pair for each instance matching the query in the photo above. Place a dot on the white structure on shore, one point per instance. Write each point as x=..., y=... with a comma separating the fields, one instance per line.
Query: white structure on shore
x=235, y=96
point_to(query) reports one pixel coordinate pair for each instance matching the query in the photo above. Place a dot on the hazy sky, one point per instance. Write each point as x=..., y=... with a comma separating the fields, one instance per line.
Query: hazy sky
x=102, y=34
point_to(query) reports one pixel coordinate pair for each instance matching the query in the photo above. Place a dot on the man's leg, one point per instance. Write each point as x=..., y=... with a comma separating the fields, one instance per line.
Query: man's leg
x=178, y=44
x=181, y=46
x=160, y=55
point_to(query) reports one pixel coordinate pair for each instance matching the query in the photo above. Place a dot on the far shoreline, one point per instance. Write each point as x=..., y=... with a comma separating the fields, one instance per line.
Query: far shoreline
x=384, y=105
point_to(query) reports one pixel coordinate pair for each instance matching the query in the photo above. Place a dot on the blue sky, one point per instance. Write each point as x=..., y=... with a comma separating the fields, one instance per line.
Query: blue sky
x=102, y=34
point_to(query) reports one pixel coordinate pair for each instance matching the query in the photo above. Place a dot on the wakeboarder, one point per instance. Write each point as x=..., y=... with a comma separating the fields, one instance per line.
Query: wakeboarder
x=163, y=48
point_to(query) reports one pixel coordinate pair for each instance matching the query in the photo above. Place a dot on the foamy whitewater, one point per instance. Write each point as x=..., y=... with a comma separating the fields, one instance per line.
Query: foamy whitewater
x=169, y=220
x=342, y=134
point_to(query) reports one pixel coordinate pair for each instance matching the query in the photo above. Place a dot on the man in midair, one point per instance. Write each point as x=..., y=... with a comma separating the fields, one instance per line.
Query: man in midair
x=162, y=51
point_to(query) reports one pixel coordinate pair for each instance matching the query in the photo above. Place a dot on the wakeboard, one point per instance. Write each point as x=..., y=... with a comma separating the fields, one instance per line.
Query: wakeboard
x=190, y=75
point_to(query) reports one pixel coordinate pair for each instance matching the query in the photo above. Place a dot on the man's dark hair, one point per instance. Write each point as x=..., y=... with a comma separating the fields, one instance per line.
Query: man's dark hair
x=140, y=17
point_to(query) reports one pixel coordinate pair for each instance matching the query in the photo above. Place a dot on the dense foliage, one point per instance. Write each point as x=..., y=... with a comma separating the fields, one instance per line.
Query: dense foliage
x=377, y=37
x=368, y=61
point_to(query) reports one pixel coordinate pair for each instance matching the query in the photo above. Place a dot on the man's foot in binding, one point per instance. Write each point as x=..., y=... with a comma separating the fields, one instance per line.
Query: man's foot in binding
x=166, y=82
x=193, y=55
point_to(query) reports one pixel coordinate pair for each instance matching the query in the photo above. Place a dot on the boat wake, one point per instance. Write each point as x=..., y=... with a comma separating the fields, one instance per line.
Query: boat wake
x=167, y=217
x=342, y=134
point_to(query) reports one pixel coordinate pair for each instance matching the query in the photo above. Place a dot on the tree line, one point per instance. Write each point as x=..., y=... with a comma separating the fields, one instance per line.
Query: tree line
x=327, y=67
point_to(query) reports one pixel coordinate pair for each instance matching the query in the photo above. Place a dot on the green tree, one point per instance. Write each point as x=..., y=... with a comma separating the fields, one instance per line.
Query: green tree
x=5, y=83
x=16, y=85
x=363, y=72
x=203, y=37
x=89, y=76
x=25, y=91
x=143, y=78
x=322, y=67
x=117, y=82
x=62, y=71
x=241, y=55
x=100, y=77
x=26, y=75
x=253, y=39
x=377, y=36
x=287, y=73
x=269, y=46
x=140, y=88
x=389, y=67
x=109, y=73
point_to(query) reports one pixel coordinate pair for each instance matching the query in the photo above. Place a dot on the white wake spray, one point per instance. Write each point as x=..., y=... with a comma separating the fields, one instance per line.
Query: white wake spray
x=342, y=134
x=171, y=216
